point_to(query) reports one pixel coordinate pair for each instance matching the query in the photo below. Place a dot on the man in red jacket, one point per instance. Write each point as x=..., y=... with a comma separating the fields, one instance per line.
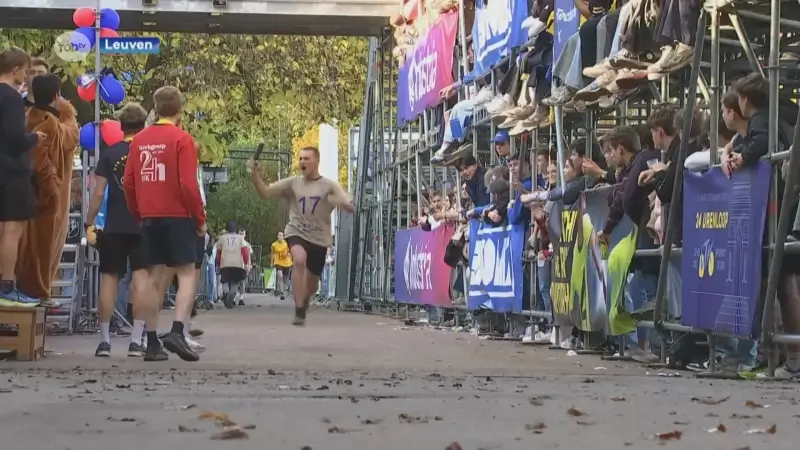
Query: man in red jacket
x=162, y=192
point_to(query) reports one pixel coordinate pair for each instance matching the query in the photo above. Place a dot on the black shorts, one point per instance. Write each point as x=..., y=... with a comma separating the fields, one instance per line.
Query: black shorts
x=200, y=249
x=315, y=254
x=17, y=199
x=170, y=241
x=116, y=249
x=232, y=275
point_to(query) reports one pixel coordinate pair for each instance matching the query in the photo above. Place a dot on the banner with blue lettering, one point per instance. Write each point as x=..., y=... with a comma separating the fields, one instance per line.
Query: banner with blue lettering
x=495, y=266
x=567, y=23
x=723, y=226
x=497, y=30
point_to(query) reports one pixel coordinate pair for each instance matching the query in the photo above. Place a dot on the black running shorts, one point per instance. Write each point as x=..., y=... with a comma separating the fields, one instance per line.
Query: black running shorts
x=315, y=254
x=232, y=275
x=116, y=249
x=170, y=241
x=17, y=199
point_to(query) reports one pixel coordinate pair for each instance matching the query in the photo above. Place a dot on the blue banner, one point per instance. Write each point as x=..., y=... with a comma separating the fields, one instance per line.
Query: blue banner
x=567, y=23
x=497, y=30
x=723, y=226
x=495, y=266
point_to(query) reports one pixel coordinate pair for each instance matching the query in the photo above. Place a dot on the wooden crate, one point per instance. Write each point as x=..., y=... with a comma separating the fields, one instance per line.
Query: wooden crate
x=23, y=330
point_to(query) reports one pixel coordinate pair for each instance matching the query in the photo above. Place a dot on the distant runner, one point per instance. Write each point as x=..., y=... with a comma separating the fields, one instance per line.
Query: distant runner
x=311, y=199
x=282, y=264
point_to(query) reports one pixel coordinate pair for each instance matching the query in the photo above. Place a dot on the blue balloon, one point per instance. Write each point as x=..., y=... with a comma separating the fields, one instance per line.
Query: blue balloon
x=89, y=33
x=87, y=136
x=111, y=90
x=109, y=18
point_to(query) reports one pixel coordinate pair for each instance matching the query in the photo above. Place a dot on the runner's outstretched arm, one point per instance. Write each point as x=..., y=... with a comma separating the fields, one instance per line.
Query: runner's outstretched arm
x=341, y=199
x=266, y=191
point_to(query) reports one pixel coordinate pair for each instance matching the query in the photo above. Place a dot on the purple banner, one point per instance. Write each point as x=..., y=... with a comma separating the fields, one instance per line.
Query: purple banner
x=420, y=274
x=428, y=69
x=723, y=226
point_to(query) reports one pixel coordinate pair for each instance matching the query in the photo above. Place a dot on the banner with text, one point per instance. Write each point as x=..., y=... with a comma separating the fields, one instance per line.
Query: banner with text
x=495, y=266
x=566, y=24
x=723, y=226
x=420, y=274
x=428, y=69
x=566, y=285
x=497, y=30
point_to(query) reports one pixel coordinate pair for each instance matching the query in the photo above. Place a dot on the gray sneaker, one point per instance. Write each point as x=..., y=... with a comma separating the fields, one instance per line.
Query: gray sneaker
x=560, y=96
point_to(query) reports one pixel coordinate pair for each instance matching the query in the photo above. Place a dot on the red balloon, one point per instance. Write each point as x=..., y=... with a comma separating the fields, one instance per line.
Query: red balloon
x=111, y=132
x=108, y=33
x=87, y=93
x=84, y=17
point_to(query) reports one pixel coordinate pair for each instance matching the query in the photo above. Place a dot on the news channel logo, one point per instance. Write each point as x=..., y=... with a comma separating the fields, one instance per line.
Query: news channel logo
x=72, y=46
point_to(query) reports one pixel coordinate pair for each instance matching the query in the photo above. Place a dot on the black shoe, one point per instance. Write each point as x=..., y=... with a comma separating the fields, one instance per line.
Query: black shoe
x=283, y=297
x=241, y=302
x=120, y=332
x=177, y=344
x=135, y=350
x=195, y=332
x=163, y=335
x=299, y=321
x=103, y=350
x=156, y=355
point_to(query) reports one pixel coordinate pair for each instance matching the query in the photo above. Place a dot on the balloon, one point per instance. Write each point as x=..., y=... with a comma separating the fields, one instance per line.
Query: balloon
x=111, y=90
x=109, y=18
x=84, y=17
x=111, y=132
x=108, y=33
x=87, y=136
x=87, y=93
x=88, y=33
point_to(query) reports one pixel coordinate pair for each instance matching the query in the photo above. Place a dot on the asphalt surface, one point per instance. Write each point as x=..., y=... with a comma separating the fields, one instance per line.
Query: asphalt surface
x=353, y=381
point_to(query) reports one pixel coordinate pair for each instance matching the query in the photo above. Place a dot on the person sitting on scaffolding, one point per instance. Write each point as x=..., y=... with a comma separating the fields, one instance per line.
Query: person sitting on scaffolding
x=233, y=255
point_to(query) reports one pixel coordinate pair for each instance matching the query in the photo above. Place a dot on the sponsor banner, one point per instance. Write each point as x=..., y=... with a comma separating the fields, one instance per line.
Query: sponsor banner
x=497, y=30
x=567, y=22
x=589, y=279
x=427, y=70
x=420, y=274
x=723, y=226
x=495, y=266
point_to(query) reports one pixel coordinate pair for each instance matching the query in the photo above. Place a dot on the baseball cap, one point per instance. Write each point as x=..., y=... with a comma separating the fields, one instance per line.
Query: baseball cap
x=501, y=136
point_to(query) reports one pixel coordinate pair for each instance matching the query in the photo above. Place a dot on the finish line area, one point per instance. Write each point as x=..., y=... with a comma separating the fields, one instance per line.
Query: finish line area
x=366, y=381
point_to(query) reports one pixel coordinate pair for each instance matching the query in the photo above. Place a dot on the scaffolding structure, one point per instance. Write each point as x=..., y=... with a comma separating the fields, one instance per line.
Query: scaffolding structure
x=395, y=171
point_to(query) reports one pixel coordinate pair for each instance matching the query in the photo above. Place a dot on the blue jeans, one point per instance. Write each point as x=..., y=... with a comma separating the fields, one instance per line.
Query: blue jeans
x=545, y=302
x=745, y=350
x=462, y=111
x=641, y=289
x=209, y=275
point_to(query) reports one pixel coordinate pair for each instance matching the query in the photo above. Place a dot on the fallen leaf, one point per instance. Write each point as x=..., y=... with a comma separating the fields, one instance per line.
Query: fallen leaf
x=709, y=400
x=230, y=433
x=306, y=447
x=583, y=422
x=746, y=447
x=249, y=427
x=746, y=416
x=617, y=399
x=753, y=405
x=536, y=428
x=220, y=418
x=371, y=421
x=407, y=418
x=718, y=429
x=181, y=407
x=539, y=400
x=575, y=412
x=670, y=435
x=454, y=446
x=184, y=429
x=678, y=422
x=769, y=430
x=337, y=430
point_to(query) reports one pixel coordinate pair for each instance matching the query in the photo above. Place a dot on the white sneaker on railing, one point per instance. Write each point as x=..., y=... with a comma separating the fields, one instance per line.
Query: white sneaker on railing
x=537, y=28
x=529, y=22
x=483, y=96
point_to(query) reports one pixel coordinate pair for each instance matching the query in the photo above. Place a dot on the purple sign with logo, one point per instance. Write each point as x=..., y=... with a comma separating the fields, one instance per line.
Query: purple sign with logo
x=723, y=226
x=420, y=274
x=428, y=69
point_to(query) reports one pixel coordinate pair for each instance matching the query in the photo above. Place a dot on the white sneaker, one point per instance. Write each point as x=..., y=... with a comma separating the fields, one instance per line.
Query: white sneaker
x=567, y=344
x=542, y=337
x=195, y=346
x=483, y=96
x=500, y=102
x=784, y=372
x=536, y=28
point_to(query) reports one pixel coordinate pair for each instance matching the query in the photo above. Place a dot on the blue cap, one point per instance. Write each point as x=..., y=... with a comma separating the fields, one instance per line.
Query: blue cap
x=501, y=136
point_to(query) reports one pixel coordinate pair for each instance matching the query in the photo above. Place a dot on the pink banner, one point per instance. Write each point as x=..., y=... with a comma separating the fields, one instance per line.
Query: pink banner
x=428, y=69
x=420, y=274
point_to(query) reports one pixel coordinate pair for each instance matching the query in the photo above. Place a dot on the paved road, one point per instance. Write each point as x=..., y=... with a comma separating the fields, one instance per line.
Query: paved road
x=352, y=381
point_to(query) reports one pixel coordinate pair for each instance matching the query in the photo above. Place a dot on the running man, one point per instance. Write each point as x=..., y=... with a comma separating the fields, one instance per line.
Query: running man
x=233, y=256
x=162, y=193
x=311, y=198
x=281, y=264
x=248, y=266
x=120, y=241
